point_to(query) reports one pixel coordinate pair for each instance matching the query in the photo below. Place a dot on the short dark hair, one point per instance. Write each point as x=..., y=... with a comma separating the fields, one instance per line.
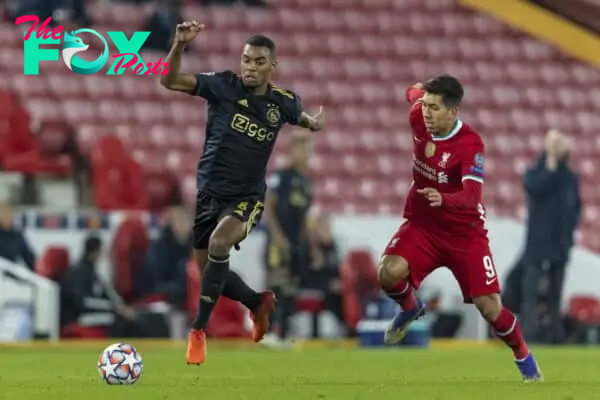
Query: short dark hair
x=448, y=87
x=92, y=244
x=262, y=41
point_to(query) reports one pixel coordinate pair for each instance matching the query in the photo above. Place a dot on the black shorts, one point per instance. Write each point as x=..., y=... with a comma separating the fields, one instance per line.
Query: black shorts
x=210, y=210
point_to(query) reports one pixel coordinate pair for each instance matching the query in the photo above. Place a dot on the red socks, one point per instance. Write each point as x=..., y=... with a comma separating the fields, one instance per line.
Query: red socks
x=506, y=325
x=508, y=329
x=402, y=294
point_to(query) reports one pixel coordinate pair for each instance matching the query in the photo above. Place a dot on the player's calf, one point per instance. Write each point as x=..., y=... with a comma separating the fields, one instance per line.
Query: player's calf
x=504, y=323
x=507, y=328
x=392, y=274
x=216, y=271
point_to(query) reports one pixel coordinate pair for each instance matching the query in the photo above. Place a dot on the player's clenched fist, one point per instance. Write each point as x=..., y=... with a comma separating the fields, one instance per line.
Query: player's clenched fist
x=188, y=31
x=433, y=196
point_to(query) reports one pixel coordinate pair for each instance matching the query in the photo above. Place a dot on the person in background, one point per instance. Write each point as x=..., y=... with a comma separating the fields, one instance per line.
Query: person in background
x=62, y=11
x=13, y=245
x=323, y=273
x=554, y=208
x=444, y=322
x=513, y=286
x=234, y=2
x=164, y=268
x=161, y=23
x=287, y=202
x=89, y=301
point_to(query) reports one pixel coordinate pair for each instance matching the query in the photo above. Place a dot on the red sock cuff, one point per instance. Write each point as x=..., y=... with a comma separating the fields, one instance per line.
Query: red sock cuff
x=507, y=328
x=402, y=294
x=400, y=288
x=505, y=323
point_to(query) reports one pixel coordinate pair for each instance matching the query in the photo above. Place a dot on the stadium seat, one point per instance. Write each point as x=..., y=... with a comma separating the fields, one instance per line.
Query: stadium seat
x=161, y=190
x=76, y=331
x=193, y=287
x=355, y=57
x=228, y=318
x=311, y=301
x=21, y=150
x=53, y=263
x=585, y=309
x=128, y=252
x=117, y=177
x=359, y=282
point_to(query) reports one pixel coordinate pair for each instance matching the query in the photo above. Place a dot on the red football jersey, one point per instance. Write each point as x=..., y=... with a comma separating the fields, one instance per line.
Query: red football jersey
x=444, y=164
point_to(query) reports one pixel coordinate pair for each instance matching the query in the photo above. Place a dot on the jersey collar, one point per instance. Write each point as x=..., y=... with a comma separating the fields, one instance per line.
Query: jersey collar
x=453, y=132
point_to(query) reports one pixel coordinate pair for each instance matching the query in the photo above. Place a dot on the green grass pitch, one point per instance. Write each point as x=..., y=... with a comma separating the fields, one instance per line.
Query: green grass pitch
x=68, y=371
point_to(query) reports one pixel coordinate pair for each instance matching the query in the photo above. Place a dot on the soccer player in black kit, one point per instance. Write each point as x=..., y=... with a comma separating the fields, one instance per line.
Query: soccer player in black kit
x=245, y=114
x=289, y=247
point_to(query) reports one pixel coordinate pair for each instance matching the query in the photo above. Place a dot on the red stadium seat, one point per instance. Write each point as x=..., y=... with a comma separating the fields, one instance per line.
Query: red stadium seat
x=310, y=301
x=53, y=263
x=128, y=251
x=227, y=319
x=359, y=281
x=117, y=178
x=344, y=54
x=21, y=150
x=161, y=190
x=76, y=331
x=585, y=309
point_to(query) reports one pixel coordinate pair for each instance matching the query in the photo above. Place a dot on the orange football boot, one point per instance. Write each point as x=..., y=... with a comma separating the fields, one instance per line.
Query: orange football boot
x=260, y=317
x=196, y=348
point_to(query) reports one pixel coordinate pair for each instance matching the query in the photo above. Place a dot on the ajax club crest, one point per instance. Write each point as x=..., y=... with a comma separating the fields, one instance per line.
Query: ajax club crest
x=273, y=115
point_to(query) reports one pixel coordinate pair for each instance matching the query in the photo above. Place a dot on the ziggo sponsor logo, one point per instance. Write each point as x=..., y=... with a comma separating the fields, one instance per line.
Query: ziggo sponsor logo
x=128, y=49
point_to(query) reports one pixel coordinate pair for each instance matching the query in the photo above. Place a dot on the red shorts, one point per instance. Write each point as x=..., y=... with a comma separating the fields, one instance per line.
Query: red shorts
x=467, y=256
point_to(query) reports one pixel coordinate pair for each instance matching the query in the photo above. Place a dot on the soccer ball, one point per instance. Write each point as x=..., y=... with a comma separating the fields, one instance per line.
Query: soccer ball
x=120, y=364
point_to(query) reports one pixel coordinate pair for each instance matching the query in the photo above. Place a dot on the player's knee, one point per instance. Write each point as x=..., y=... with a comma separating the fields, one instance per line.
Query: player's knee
x=219, y=245
x=489, y=306
x=391, y=269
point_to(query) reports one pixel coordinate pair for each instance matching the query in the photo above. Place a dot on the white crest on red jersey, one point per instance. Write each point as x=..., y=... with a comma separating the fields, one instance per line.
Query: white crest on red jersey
x=445, y=158
x=442, y=177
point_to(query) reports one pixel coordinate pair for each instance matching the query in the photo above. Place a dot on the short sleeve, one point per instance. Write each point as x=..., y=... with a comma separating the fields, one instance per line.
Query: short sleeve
x=212, y=85
x=294, y=110
x=473, y=157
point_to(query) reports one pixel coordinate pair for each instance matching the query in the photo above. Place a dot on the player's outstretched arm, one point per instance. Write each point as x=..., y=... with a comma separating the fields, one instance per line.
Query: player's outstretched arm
x=313, y=122
x=174, y=79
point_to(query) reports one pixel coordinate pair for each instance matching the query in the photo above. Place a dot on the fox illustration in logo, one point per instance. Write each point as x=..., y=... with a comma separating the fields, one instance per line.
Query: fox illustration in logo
x=73, y=45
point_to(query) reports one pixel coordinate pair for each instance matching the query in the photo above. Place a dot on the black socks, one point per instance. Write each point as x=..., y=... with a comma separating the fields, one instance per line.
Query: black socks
x=236, y=289
x=214, y=279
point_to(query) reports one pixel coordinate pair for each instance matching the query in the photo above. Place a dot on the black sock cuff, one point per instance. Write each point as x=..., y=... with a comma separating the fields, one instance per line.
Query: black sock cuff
x=218, y=259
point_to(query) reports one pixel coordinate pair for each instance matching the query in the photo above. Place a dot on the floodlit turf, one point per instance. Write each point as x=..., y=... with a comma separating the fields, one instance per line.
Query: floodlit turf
x=69, y=372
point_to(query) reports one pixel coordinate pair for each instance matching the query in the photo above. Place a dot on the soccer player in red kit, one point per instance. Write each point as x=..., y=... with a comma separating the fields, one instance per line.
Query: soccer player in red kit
x=445, y=220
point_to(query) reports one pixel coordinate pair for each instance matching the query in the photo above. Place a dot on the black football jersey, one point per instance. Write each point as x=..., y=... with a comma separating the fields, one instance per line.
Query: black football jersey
x=240, y=134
